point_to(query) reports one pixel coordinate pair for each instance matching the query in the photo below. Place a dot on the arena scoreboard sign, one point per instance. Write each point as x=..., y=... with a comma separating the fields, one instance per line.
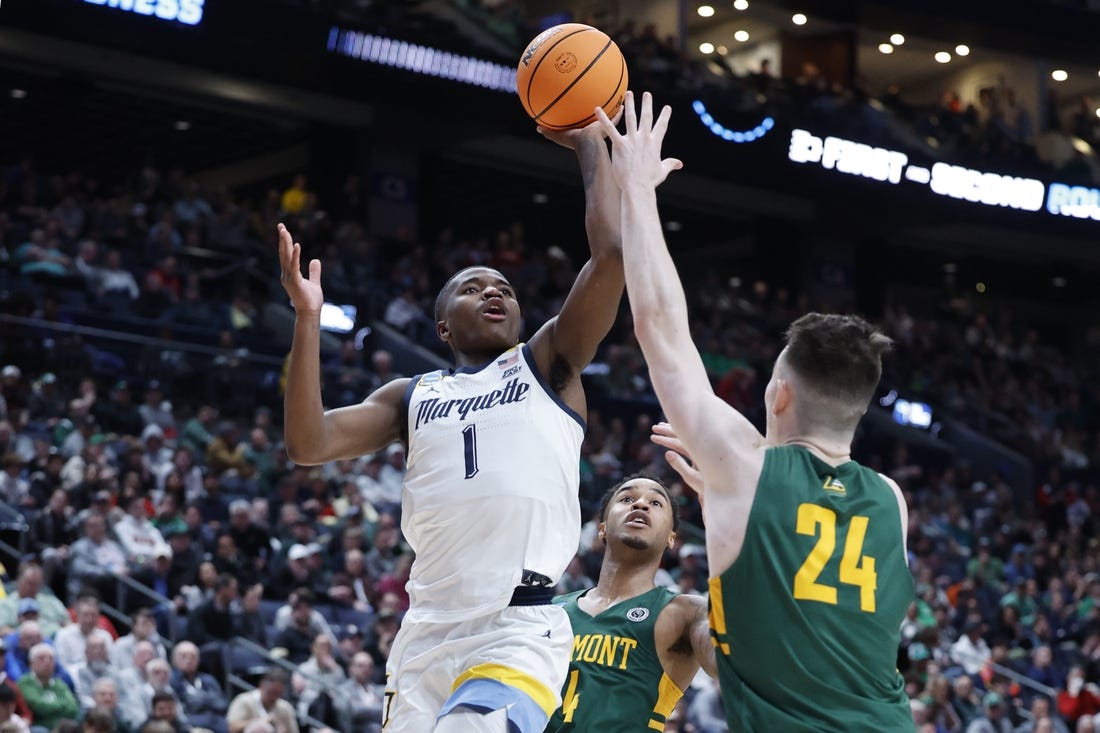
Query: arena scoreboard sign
x=187, y=12
x=892, y=167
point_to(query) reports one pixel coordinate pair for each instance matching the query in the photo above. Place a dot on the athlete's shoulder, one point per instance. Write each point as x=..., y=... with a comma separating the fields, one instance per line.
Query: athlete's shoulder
x=684, y=605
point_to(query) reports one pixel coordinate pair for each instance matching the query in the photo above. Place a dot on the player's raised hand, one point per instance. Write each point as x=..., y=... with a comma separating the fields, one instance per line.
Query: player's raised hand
x=636, y=155
x=677, y=456
x=304, y=293
x=571, y=138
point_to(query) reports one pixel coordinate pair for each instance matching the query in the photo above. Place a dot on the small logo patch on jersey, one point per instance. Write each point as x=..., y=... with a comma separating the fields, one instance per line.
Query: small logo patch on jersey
x=508, y=360
x=834, y=485
x=638, y=614
x=547, y=634
x=430, y=379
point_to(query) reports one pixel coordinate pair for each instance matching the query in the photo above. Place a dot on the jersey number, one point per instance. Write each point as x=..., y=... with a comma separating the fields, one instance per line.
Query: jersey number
x=571, y=698
x=469, y=443
x=855, y=568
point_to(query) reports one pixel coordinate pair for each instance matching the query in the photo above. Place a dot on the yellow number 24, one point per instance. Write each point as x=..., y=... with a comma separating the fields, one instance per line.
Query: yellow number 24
x=855, y=568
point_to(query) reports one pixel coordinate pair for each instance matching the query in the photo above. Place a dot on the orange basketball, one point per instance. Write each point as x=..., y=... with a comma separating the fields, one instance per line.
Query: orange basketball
x=568, y=71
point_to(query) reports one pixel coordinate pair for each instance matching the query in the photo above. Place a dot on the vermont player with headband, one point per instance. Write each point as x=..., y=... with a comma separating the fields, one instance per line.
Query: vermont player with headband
x=806, y=547
x=636, y=646
x=490, y=496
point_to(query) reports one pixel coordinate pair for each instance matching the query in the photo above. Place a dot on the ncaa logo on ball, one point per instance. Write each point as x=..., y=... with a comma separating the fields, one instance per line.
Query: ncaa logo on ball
x=565, y=62
x=539, y=40
x=638, y=614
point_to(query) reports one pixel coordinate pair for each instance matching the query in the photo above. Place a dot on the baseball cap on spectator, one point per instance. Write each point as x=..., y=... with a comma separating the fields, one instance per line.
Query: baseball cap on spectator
x=102, y=495
x=992, y=699
x=175, y=528
x=163, y=551
x=48, y=378
x=347, y=632
x=11, y=370
x=152, y=430
x=314, y=548
x=120, y=385
x=27, y=605
x=98, y=439
x=298, y=552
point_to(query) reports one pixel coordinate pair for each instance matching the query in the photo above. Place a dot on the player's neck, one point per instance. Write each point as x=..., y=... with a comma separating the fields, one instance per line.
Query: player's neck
x=622, y=580
x=832, y=450
x=464, y=359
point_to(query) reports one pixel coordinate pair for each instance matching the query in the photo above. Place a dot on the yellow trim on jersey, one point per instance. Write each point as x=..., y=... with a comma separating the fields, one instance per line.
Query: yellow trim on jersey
x=540, y=693
x=668, y=694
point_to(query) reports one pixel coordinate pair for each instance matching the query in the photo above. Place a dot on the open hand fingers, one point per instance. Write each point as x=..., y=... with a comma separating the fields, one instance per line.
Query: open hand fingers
x=286, y=246
x=315, y=272
x=606, y=125
x=661, y=126
x=645, y=118
x=631, y=116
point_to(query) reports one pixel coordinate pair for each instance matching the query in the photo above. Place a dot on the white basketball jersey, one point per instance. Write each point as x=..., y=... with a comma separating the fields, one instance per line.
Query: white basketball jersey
x=491, y=486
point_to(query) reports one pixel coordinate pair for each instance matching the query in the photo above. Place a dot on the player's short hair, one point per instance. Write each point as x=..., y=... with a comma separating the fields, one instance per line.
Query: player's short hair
x=838, y=357
x=610, y=494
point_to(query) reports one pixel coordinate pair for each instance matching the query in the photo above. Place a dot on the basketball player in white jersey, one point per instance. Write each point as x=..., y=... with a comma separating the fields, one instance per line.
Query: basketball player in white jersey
x=490, y=500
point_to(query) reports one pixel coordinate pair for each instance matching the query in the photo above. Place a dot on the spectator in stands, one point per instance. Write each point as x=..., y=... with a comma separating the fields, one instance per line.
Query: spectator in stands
x=1041, y=716
x=386, y=547
x=212, y=621
x=52, y=613
x=295, y=572
x=72, y=640
x=95, y=666
x=15, y=489
x=119, y=414
x=298, y=636
x=353, y=587
x=185, y=560
x=994, y=718
x=48, y=697
x=359, y=700
x=158, y=576
x=7, y=682
x=144, y=628
x=10, y=719
x=105, y=699
x=1079, y=699
x=97, y=559
x=251, y=539
x=116, y=287
x=140, y=539
x=201, y=698
x=265, y=703
x=294, y=198
x=315, y=678
x=155, y=410
x=196, y=435
x=226, y=452
x=166, y=710
x=132, y=683
x=53, y=533
x=250, y=622
x=970, y=650
x=98, y=721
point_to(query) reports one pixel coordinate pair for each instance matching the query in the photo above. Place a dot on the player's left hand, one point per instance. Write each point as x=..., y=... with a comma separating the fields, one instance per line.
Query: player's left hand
x=677, y=456
x=636, y=155
x=571, y=138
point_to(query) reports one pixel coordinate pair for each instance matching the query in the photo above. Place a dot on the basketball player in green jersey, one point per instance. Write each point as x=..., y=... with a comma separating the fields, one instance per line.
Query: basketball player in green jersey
x=636, y=645
x=806, y=547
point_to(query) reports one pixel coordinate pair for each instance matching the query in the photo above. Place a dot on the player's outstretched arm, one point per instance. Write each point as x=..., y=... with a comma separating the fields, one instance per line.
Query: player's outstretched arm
x=708, y=427
x=678, y=457
x=701, y=643
x=314, y=436
x=593, y=302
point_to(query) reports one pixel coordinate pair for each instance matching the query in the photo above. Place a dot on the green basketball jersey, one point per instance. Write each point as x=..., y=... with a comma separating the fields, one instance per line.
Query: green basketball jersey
x=616, y=682
x=806, y=621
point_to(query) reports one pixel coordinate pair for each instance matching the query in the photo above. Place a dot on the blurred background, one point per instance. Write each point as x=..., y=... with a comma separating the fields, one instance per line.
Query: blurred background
x=931, y=166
